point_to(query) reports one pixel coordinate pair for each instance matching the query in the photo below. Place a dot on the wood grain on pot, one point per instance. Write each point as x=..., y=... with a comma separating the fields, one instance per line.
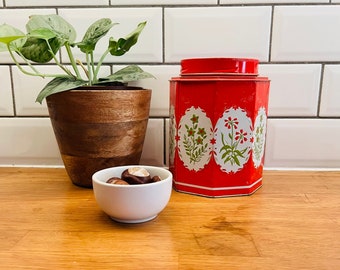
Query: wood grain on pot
x=96, y=129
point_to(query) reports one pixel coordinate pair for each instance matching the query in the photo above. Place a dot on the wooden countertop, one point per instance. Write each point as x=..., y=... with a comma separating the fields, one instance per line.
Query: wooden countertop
x=292, y=222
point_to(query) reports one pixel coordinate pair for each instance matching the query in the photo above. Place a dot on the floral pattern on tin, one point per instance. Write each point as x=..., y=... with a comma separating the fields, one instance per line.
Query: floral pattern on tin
x=233, y=140
x=259, y=136
x=194, y=139
x=172, y=135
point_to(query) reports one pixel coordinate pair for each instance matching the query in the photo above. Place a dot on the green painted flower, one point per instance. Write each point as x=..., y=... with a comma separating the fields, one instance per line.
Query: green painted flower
x=194, y=140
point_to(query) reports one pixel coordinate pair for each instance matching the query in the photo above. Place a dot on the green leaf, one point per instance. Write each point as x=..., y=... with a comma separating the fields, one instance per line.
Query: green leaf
x=244, y=150
x=128, y=74
x=39, y=44
x=42, y=33
x=58, y=85
x=227, y=159
x=222, y=138
x=55, y=23
x=236, y=160
x=10, y=35
x=225, y=148
x=123, y=45
x=238, y=153
x=94, y=33
x=47, y=34
x=38, y=50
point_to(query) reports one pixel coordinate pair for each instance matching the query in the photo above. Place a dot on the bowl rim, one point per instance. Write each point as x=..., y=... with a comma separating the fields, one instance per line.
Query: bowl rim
x=96, y=180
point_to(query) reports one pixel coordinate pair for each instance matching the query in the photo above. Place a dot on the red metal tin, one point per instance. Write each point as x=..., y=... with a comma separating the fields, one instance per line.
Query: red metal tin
x=220, y=66
x=218, y=115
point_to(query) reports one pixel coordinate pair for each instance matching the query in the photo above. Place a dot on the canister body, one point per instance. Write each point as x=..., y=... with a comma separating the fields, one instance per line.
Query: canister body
x=218, y=127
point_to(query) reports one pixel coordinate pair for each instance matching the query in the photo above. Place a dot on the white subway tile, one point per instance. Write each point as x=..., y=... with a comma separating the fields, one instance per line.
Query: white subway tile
x=303, y=143
x=31, y=141
x=306, y=33
x=6, y=100
x=28, y=141
x=39, y=3
x=18, y=19
x=26, y=89
x=271, y=1
x=149, y=46
x=301, y=33
x=217, y=32
x=163, y=2
x=160, y=87
x=294, y=89
x=153, y=150
x=330, y=96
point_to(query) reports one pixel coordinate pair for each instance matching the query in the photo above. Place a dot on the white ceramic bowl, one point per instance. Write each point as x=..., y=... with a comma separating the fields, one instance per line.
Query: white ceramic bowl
x=132, y=203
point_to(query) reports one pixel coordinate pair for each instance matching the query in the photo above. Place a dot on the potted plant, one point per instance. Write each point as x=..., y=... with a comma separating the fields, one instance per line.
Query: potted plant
x=98, y=122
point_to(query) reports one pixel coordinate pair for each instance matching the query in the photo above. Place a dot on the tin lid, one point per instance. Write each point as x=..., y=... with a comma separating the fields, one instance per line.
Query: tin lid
x=219, y=66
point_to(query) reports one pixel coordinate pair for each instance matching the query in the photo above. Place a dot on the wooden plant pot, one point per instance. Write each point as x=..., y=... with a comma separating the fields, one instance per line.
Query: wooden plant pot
x=96, y=128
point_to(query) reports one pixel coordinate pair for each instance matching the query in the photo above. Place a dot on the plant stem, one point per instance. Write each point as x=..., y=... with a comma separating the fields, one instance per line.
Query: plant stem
x=95, y=79
x=101, y=60
x=36, y=72
x=89, y=70
x=73, y=62
x=57, y=61
x=83, y=67
x=193, y=141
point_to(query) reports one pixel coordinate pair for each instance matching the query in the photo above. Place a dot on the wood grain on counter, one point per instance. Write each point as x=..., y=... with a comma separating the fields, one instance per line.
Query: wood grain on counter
x=292, y=222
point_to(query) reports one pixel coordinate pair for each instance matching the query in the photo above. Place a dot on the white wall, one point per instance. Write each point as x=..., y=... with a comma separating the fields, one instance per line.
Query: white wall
x=297, y=43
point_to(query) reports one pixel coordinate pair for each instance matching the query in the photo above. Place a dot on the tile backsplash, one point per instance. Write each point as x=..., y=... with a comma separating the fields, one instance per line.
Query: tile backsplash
x=297, y=43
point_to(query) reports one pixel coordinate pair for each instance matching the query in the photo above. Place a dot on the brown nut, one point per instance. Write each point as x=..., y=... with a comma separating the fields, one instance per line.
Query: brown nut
x=136, y=176
x=156, y=178
x=117, y=181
